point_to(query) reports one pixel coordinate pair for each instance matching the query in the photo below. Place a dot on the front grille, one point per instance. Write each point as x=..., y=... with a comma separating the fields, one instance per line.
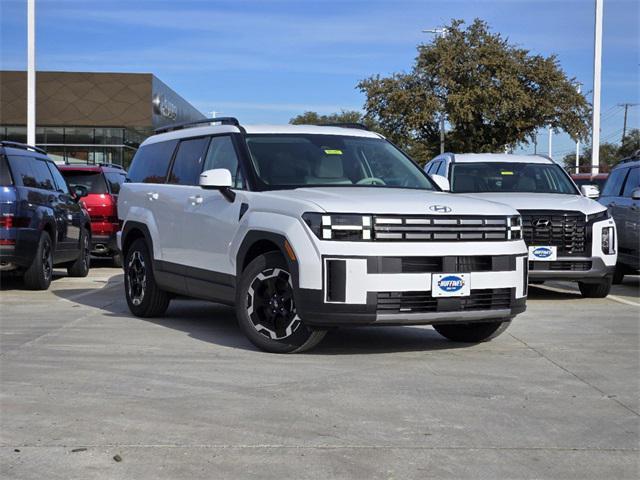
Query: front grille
x=448, y=264
x=423, y=302
x=580, y=266
x=565, y=230
x=445, y=228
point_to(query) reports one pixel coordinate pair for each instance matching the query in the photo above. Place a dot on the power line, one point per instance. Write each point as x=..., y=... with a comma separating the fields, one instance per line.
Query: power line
x=624, y=128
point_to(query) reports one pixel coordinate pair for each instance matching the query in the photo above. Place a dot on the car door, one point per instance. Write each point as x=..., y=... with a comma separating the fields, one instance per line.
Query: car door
x=183, y=188
x=629, y=217
x=611, y=195
x=212, y=220
x=67, y=234
x=69, y=211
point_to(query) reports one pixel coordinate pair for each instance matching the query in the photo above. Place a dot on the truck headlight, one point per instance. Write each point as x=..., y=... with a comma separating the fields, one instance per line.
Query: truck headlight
x=339, y=226
x=608, y=241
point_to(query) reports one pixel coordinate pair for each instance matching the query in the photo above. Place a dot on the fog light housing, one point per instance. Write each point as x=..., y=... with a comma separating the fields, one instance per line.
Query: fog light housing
x=608, y=241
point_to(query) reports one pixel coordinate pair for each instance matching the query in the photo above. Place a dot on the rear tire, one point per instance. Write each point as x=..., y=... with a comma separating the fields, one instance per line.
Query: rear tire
x=472, y=332
x=116, y=260
x=144, y=297
x=596, y=290
x=266, y=310
x=38, y=275
x=80, y=268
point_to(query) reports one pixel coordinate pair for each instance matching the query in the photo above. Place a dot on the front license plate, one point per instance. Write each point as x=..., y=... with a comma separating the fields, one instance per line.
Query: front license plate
x=451, y=285
x=542, y=253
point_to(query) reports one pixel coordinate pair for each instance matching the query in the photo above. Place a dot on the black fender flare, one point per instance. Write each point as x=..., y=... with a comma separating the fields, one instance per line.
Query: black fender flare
x=254, y=236
x=131, y=225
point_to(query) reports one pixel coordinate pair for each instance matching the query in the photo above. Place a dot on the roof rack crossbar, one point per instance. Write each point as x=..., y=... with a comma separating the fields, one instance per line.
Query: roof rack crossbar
x=179, y=126
x=24, y=146
x=359, y=126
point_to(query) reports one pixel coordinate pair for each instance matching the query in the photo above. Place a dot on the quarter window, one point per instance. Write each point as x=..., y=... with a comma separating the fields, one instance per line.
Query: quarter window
x=614, y=183
x=188, y=163
x=222, y=154
x=115, y=180
x=633, y=182
x=151, y=162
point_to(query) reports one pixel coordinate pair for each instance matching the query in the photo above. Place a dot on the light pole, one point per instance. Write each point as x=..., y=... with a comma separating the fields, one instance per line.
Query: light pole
x=31, y=72
x=579, y=89
x=597, y=74
x=550, y=146
x=439, y=33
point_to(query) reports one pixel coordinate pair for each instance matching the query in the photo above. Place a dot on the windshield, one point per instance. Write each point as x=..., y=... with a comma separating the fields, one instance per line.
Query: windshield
x=93, y=181
x=510, y=177
x=290, y=161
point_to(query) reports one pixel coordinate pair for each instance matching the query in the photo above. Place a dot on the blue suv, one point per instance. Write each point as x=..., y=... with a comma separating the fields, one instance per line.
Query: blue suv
x=42, y=223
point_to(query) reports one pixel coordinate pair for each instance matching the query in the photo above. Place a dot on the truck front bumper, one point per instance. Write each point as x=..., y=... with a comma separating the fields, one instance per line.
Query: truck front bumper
x=584, y=269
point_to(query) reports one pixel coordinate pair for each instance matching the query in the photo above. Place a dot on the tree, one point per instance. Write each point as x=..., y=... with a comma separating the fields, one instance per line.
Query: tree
x=609, y=156
x=314, y=118
x=494, y=95
x=630, y=144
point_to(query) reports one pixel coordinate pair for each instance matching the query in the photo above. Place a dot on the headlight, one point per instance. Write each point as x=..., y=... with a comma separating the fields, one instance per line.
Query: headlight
x=597, y=217
x=339, y=226
x=515, y=228
x=608, y=241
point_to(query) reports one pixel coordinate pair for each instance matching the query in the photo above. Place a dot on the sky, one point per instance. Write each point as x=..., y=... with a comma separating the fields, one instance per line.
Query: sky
x=267, y=61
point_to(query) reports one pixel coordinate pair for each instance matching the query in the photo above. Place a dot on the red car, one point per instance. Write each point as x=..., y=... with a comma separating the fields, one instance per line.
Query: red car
x=103, y=184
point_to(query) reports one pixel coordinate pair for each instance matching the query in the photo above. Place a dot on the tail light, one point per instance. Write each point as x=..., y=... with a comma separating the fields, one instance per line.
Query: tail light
x=10, y=221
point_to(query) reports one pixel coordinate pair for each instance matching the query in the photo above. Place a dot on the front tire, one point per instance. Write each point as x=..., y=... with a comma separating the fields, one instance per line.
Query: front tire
x=80, y=268
x=144, y=297
x=618, y=275
x=596, y=290
x=38, y=275
x=472, y=332
x=266, y=310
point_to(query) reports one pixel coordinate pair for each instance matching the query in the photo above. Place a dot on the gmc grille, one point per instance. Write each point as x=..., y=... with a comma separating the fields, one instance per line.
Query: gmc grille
x=565, y=230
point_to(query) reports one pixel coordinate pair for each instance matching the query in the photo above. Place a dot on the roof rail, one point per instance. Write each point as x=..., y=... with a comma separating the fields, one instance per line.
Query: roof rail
x=179, y=126
x=635, y=156
x=24, y=146
x=111, y=165
x=359, y=126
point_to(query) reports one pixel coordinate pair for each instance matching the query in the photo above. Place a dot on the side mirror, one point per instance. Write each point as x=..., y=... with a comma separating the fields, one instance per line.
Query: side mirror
x=79, y=191
x=590, y=191
x=635, y=194
x=218, y=179
x=441, y=182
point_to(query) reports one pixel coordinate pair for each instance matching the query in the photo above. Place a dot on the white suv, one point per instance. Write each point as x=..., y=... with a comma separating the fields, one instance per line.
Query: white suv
x=570, y=236
x=307, y=228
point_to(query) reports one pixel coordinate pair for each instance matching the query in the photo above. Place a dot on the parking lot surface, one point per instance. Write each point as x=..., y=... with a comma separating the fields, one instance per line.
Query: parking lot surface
x=88, y=391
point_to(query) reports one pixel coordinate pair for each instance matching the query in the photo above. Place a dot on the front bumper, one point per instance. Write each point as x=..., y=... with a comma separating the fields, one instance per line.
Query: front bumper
x=378, y=290
x=584, y=269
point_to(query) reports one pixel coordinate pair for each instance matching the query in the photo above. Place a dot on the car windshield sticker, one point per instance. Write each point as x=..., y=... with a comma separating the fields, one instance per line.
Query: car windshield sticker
x=506, y=173
x=333, y=152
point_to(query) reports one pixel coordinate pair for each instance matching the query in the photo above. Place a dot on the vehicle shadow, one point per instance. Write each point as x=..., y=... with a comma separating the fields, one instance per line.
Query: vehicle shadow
x=539, y=292
x=14, y=281
x=215, y=323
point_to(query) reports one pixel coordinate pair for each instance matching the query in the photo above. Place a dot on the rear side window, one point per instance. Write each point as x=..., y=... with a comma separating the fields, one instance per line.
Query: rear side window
x=115, y=180
x=188, y=163
x=30, y=172
x=5, y=174
x=151, y=162
x=614, y=183
x=633, y=182
x=92, y=181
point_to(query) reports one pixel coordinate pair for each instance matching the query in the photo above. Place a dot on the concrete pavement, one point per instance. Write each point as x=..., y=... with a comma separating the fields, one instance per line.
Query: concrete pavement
x=187, y=396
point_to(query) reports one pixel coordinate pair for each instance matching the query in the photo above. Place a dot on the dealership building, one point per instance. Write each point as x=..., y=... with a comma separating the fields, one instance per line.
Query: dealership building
x=90, y=117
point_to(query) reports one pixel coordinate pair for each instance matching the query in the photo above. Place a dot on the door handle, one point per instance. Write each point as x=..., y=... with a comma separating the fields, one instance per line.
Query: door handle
x=195, y=199
x=152, y=195
x=51, y=198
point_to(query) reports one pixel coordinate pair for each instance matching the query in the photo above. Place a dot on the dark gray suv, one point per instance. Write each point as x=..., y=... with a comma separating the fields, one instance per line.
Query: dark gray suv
x=621, y=195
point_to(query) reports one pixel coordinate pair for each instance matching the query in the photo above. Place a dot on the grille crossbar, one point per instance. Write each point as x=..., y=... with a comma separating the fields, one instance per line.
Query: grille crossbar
x=565, y=230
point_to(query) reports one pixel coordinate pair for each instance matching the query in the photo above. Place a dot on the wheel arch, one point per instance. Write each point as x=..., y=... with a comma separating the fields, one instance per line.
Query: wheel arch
x=132, y=231
x=258, y=242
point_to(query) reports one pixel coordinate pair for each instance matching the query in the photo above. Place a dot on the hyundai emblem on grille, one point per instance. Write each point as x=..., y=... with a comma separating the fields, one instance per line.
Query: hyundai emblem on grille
x=440, y=208
x=541, y=222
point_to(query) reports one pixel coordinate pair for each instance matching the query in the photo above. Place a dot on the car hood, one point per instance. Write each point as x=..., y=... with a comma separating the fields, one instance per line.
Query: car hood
x=387, y=201
x=542, y=201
